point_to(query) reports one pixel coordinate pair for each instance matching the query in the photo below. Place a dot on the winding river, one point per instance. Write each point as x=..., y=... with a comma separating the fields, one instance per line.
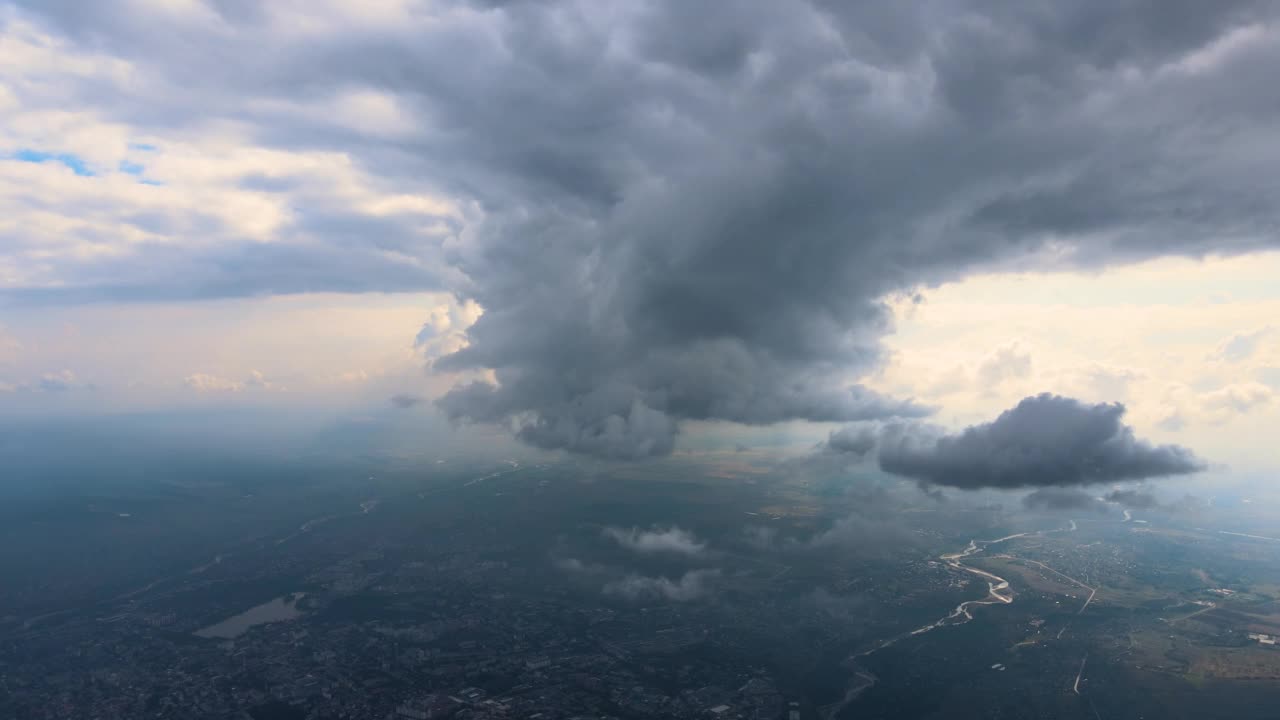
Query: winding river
x=996, y=595
x=996, y=586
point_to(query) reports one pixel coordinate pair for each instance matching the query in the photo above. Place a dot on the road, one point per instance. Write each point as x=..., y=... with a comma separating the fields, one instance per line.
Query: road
x=1209, y=605
x=1076, y=687
x=1255, y=537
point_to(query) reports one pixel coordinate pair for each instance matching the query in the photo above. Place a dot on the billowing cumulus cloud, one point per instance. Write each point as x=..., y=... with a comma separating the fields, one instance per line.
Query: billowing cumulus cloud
x=716, y=240
x=672, y=540
x=1046, y=440
x=668, y=211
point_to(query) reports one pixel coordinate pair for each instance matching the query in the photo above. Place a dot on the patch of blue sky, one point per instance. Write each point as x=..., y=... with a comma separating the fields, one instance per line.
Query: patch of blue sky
x=75, y=162
x=131, y=168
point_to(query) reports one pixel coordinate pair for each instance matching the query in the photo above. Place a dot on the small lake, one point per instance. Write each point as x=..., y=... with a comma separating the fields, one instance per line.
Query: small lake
x=277, y=610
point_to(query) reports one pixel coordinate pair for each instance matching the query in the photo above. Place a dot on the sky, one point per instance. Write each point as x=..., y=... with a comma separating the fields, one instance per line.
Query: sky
x=605, y=228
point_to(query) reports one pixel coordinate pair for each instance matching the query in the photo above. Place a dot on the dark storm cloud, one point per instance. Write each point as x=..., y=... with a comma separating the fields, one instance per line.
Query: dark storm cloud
x=730, y=205
x=690, y=211
x=1046, y=440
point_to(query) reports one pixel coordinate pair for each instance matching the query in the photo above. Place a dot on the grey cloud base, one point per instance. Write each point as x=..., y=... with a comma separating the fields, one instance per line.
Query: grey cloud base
x=631, y=410
x=1044, y=441
x=1055, y=498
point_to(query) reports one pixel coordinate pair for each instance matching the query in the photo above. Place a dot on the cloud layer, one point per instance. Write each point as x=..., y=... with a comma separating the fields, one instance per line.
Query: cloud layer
x=667, y=211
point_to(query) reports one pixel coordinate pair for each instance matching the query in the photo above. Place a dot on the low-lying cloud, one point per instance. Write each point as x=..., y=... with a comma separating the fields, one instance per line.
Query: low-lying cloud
x=692, y=585
x=1045, y=440
x=1073, y=499
x=657, y=540
x=620, y=582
